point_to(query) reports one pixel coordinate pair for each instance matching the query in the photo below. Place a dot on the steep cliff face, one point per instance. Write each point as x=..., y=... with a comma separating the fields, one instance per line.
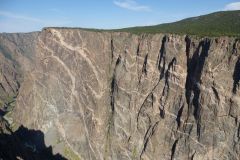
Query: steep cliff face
x=16, y=58
x=112, y=95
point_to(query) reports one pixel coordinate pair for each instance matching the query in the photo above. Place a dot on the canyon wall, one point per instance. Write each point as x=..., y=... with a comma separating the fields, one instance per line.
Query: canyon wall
x=115, y=95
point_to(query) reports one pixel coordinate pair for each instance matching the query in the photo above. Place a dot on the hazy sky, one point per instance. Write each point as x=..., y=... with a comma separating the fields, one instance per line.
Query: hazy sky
x=33, y=15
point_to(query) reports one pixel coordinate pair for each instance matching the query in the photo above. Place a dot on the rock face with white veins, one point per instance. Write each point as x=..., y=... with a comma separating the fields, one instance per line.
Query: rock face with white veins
x=113, y=95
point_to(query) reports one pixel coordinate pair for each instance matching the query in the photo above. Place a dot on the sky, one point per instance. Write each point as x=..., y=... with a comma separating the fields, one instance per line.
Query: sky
x=33, y=15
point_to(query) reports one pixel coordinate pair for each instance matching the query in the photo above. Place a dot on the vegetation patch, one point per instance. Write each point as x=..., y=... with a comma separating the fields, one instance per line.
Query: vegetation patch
x=224, y=23
x=69, y=154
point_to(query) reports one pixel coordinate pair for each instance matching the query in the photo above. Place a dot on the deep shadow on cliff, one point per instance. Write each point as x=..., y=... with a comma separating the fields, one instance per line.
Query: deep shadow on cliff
x=236, y=76
x=24, y=144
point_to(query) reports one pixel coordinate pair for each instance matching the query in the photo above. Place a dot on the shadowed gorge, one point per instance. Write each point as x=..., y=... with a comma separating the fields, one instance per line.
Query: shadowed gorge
x=24, y=144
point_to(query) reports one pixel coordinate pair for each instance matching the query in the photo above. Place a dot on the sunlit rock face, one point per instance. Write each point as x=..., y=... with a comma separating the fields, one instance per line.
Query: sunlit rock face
x=112, y=95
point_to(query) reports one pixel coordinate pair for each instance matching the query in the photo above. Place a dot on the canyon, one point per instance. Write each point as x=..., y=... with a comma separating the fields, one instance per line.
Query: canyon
x=118, y=95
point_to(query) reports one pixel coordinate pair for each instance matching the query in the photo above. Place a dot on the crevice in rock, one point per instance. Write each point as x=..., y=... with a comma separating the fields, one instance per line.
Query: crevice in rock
x=236, y=76
x=145, y=140
x=154, y=128
x=234, y=49
x=150, y=132
x=137, y=59
x=238, y=132
x=231, y=113
x=139, y=45
x=188, y=45
x=144, y=68
x=18, y=85
x=162, y=113
x=152, y=99
x=179, y=115
x=162, y=57
x=2, y=87
x=173, y=150
x=117, y=62
x=144, y=105
x=112, y=48
x=187, y=128
x=114, y=86
x=199, y=128
x=113, y=90
x=8, y=83
x=216, y=93
x=192, y=157
x=194, y=72
x=171, y=66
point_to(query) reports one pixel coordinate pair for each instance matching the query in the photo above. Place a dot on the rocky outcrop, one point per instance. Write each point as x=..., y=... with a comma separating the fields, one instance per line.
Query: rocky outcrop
x=115, y=95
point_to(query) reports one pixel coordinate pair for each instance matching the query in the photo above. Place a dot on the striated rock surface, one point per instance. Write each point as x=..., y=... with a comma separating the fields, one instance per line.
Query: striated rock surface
x=113, y=95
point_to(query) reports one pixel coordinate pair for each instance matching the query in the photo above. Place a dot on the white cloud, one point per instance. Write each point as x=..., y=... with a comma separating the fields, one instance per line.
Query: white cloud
x=14, y=22
x=17, y=16
x=132, y=5
x=32, y=19
x=232, y=6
